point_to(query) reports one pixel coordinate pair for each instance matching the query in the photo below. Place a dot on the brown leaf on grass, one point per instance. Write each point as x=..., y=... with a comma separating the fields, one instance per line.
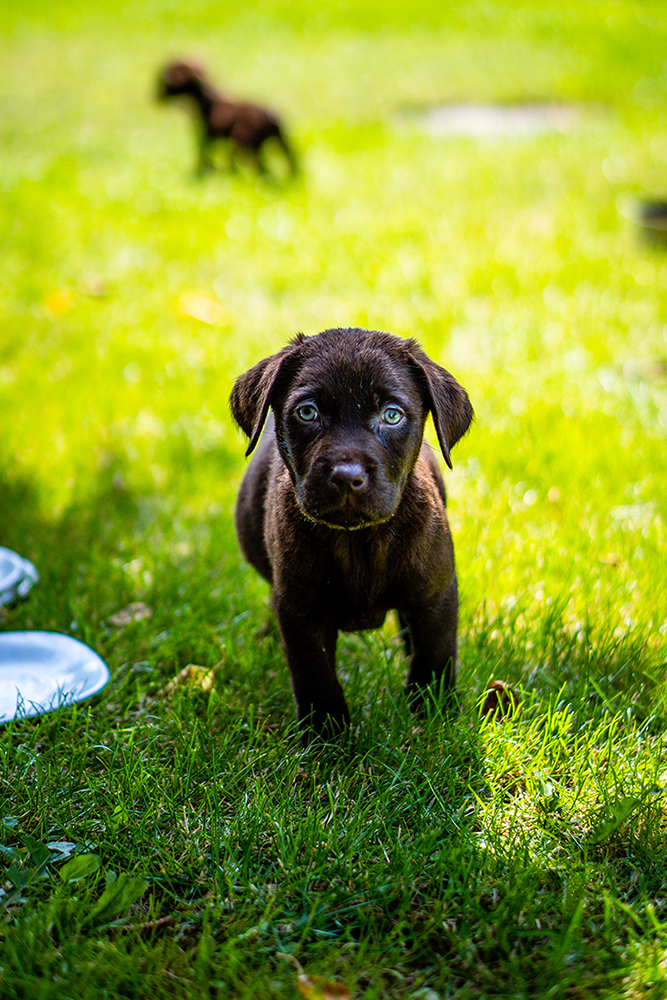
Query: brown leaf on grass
x=200, y=677
x=319, y=988
x=200, y=307
x=134, y=612
x=500, y=700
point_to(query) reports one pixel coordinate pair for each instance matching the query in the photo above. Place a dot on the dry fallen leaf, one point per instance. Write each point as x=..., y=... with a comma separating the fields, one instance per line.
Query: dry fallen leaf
x=58, y=302
x=201, y=677
x=132, y=613
x=318, y=988
x=500, y=700
x=202, y=308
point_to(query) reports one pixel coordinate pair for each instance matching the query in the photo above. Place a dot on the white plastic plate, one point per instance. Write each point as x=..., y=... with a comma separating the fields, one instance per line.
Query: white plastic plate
x=40, y=671
x=17, y=576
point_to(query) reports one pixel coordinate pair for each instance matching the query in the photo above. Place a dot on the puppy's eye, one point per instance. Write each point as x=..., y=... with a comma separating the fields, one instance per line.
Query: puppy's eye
x=307, y=412
x=392, y=415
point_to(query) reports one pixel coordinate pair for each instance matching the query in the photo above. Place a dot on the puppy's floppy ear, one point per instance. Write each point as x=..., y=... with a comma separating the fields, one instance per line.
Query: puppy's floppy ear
x=180, y=73
x=253, y=392
x=447, y=400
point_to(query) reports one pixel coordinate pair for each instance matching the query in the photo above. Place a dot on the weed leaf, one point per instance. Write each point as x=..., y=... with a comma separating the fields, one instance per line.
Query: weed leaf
x=80, y=867
x=62, y=847
x=621, y=810
x=20, y=878
x=117, y=897
x=39, y=852
x=119, y=817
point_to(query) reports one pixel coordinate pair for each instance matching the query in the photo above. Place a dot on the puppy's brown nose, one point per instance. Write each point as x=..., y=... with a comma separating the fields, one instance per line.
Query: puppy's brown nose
x=349, y=475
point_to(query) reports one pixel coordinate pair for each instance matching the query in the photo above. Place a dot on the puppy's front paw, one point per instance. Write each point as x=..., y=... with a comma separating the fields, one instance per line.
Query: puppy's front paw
x=319, y=725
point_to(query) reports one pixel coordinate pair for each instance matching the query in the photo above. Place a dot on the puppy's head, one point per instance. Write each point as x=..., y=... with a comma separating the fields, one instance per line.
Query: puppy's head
x=180, y=78
x=350, y=407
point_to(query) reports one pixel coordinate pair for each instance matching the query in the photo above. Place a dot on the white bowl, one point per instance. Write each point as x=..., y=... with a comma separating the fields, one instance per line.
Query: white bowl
x=42, y=671
x=17, y=576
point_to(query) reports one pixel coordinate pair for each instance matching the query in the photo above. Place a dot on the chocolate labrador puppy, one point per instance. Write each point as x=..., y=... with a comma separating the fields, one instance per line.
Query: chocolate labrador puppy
x=342, y=508
x=247, y=126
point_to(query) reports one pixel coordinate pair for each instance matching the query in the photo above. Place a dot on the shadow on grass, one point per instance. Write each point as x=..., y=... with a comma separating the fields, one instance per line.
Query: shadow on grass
x=115, y=546
x=420, y=855
x=86, y=534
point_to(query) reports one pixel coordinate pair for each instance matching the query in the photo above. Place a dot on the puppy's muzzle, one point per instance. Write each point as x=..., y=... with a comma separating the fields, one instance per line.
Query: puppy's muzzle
x=350, y=491
x=350, y=477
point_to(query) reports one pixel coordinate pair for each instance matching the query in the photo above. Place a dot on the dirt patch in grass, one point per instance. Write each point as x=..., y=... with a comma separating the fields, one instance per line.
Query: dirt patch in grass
x=490, y=120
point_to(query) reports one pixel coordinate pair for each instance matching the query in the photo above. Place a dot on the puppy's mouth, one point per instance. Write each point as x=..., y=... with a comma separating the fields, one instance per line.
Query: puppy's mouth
x=343, y=522
x=347, y=494
x=346, y=515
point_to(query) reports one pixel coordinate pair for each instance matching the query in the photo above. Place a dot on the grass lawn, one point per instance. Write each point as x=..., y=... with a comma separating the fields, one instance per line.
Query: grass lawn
x=167, y=838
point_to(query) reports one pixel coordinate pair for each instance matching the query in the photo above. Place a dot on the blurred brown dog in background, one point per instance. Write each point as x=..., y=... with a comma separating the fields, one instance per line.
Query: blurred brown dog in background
x=247, y=126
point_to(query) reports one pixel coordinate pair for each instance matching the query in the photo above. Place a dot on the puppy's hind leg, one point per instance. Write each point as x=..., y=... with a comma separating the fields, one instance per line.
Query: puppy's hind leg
x=290, y=155
x=404, y=634
x=432, y=639
x=204, y=161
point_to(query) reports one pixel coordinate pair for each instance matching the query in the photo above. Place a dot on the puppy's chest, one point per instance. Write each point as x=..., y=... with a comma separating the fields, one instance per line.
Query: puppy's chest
x=359, y=583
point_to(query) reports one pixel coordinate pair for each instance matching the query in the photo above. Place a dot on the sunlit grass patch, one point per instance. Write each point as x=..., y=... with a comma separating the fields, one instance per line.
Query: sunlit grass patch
x=442, y=857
